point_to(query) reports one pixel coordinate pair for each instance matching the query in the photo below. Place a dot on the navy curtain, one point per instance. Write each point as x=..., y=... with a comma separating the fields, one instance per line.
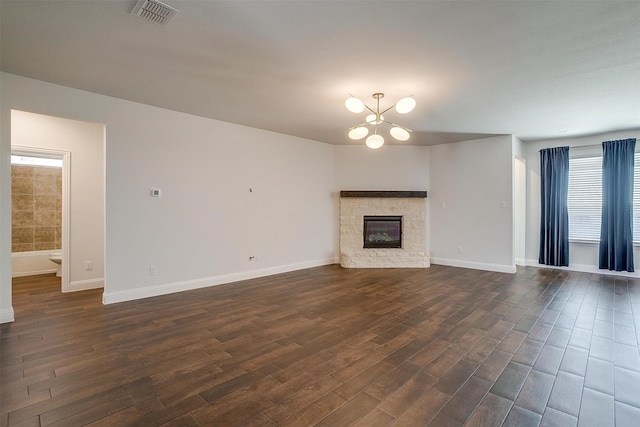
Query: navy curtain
x=554, y=216
x=616, y=231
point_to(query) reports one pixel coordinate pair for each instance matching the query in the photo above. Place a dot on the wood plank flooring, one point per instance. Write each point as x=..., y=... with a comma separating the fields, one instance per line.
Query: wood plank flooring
x=330, y=347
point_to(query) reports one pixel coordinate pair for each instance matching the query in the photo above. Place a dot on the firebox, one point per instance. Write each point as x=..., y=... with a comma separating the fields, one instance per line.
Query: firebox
x=382, y=232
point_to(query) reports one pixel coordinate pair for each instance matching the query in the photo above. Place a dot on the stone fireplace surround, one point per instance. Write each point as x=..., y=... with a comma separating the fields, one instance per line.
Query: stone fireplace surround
x=411, y=205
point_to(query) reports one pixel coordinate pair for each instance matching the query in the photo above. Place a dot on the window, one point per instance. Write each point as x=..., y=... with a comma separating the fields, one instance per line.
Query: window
x=584, y=199
x=36, y=161
x=636, y=198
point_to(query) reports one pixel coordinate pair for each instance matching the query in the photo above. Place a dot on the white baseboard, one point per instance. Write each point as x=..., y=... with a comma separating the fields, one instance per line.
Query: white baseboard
x=584, y=268
x=83, y=285
x=500, y=268
x=521, y=261
x=7, y=315
x=169, y=288
x=33, y=273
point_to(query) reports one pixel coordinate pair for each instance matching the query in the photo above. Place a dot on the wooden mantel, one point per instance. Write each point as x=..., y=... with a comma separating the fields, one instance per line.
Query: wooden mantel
x=385, y=194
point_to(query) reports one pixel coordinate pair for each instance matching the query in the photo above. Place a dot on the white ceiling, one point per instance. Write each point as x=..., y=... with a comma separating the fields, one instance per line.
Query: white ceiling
x=533, y=69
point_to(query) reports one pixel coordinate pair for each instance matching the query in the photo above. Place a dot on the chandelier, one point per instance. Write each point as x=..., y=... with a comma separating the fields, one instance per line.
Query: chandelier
x=375, y=140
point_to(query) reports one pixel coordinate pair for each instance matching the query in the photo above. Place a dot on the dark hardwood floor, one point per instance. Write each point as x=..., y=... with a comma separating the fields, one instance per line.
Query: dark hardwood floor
x=331, y=347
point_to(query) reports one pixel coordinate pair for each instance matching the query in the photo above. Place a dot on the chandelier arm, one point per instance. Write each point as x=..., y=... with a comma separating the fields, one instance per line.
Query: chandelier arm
x=357, y=126
x=370, y=109
x=382, y=112
x=398, y=126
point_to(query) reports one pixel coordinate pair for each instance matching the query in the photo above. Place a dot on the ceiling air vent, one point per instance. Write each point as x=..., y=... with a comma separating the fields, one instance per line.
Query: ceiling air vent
x=154, y=11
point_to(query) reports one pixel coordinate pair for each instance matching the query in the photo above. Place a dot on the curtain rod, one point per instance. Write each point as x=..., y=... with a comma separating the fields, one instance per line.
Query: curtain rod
x=599, y=144
x=575, y=147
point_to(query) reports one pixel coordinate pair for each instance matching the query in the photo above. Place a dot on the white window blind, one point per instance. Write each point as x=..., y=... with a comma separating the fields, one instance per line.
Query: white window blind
x=636, y=198
x=584, y=199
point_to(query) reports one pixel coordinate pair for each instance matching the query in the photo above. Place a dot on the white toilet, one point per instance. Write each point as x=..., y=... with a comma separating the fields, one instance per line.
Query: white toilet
x=57, y=258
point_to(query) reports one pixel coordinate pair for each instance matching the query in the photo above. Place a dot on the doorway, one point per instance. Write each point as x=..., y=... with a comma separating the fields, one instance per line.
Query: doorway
x=81, y=147
x=520, y=210
x=40, y=210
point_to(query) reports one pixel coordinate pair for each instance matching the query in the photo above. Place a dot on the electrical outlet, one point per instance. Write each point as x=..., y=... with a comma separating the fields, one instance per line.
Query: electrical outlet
x=459, y=249
x=153, y=270
x=88, y=265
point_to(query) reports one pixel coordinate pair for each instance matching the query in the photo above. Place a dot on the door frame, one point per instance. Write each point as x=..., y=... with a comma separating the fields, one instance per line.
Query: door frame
x=66, y=187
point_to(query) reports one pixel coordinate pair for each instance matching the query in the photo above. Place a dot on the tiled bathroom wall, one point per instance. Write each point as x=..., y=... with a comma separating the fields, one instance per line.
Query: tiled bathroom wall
x=36, y=213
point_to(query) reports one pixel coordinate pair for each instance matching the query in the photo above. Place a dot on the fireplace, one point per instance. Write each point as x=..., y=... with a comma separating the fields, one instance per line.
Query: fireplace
x=382, y=231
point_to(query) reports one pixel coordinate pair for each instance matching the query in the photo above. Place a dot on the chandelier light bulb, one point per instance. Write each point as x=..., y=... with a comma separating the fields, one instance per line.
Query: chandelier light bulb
x=375, y=141
x=371, y=119
x=354, y=105
x=399, y=133
x=405, y=105
x=358, y=133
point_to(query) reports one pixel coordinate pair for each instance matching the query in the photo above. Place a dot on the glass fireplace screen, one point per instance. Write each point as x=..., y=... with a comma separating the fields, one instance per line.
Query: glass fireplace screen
x=382, y=232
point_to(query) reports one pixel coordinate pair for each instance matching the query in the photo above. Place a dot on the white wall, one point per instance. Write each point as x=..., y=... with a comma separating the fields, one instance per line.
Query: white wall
x=582, y=256
x=207, y=223
x=472, y=204
x=6, y=309
x=390, y=167
x=85, y=142
x=471, y=178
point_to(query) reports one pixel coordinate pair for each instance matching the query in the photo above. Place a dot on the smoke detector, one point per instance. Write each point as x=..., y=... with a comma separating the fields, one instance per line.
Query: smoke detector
x=154, y=11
